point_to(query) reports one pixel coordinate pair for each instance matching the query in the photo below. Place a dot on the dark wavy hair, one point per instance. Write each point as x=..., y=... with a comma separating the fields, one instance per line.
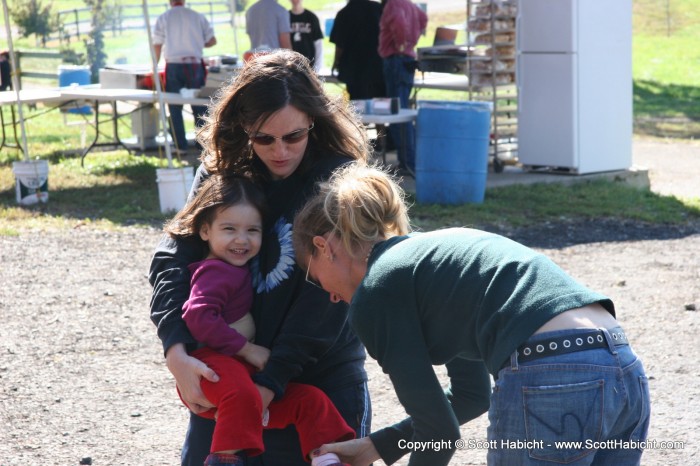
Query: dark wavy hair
x=265, y=85
x=215, y=194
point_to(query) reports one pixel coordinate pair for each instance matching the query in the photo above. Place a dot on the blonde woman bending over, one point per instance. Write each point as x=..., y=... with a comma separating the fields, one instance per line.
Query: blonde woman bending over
x=479, y=304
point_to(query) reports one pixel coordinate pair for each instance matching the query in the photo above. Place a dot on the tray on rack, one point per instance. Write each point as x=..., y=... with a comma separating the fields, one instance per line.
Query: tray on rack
x=443, y=58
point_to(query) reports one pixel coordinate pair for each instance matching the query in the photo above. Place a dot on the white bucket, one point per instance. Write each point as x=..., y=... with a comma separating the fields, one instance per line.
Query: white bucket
x=173, y=187
x=32, y=181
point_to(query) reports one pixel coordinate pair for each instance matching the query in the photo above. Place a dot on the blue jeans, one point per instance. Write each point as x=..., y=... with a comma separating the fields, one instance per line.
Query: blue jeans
x=282, y=445
x=398, y=77
x=180, y=76
x=599, y=397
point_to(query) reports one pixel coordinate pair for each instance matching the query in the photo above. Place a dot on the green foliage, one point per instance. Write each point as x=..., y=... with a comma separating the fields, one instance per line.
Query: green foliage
x=31, y=17
x=72, y=57
x=95, y=44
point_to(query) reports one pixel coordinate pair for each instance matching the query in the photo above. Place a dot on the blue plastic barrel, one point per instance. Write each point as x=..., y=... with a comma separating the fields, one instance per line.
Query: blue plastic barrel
x=74, y=75
x=452, y=151
x=328, y=26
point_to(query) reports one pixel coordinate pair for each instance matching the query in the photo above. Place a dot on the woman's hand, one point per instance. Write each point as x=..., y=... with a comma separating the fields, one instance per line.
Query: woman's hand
x=255, y=355
x=267, y=395
x=187, y=372
x=357, y=452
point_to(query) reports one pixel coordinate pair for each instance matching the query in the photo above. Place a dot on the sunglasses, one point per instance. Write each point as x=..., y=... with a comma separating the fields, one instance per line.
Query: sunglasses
x=290, y=138
x=309, y=279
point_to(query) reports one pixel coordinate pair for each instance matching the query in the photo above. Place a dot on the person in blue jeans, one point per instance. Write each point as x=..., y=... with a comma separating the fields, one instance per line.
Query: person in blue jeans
x=181, y=34
x=400, y=26
x=568, y=387
x=275, y=124
x=184, y=76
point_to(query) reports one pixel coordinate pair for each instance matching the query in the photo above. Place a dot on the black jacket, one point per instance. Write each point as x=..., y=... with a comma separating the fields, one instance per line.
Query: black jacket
x=309, y=337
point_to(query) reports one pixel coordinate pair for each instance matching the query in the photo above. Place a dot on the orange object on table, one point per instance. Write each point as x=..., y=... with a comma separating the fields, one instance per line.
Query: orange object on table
x=146, y=82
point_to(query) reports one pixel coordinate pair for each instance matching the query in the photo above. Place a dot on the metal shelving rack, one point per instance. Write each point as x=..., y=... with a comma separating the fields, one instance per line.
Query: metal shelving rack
x=490, y=70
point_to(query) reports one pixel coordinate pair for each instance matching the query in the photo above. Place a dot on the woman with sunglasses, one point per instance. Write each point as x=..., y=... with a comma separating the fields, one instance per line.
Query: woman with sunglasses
x=479, y=304
x=274, y=124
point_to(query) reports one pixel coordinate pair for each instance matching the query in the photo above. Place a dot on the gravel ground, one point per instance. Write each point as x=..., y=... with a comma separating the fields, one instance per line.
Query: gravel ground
x=82, y=374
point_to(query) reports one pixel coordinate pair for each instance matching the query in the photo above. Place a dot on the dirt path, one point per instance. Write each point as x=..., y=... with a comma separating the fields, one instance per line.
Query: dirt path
x=674, y=169
x=82, y=374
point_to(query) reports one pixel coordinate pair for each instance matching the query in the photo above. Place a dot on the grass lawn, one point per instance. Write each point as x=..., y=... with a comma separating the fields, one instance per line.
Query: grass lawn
x=666, y=68
x=117, y=189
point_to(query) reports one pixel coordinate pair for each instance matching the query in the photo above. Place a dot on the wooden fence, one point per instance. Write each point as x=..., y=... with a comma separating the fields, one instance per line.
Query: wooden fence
x=76, y=23
x=61, y=58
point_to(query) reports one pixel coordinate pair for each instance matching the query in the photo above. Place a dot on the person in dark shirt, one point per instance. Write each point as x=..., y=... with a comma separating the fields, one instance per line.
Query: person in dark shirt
x=479, y=304
x=307, y=37
x=5, y=71
x=401, y=25
x=275, y=124
x=355, y=34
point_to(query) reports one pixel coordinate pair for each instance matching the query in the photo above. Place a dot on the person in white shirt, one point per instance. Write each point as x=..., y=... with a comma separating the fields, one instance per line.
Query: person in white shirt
x=180, y=36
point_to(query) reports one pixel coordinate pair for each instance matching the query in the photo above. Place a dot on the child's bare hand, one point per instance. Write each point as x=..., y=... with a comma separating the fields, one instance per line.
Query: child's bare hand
x=255, y=355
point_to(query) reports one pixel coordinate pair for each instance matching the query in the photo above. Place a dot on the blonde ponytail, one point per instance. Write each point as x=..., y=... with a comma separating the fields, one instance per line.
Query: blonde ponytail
x=360, y=204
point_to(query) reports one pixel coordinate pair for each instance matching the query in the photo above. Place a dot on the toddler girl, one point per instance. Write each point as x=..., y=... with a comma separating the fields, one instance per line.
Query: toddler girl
x=228, y=213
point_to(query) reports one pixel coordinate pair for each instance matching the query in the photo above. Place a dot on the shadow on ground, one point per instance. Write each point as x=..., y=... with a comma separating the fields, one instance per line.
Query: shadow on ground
x=124, y=194
x=557, y=235
x=654, y=116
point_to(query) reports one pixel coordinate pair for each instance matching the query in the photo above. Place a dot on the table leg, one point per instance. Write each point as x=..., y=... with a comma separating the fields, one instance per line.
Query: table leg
x=14, y=129
x=96, y=105
x=404, y=141
x=2, y=123
x=117, y=141
x=385, y=131
x=115, y=118
x=17, y=144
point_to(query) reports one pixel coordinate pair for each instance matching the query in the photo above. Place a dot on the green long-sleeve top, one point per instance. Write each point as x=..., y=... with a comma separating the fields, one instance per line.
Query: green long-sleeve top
x=459, y=297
